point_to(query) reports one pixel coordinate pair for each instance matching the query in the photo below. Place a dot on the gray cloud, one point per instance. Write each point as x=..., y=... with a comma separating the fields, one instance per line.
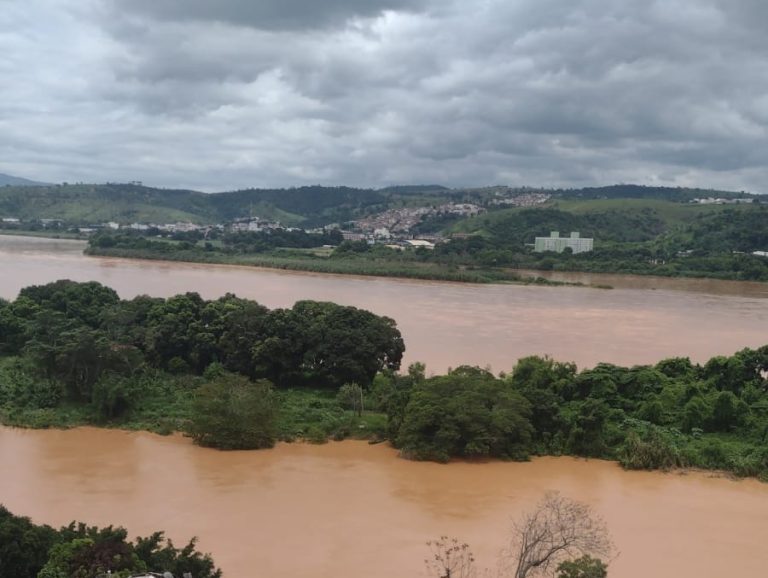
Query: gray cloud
x=265, y=14
x=539, y=92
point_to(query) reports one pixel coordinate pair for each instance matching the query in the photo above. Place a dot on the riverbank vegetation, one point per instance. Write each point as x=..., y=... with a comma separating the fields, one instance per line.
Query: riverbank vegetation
x=380, y=262
x=29, y=550
x=637, y=230
x=706, y=242
x=709, y=242
x=234, y=374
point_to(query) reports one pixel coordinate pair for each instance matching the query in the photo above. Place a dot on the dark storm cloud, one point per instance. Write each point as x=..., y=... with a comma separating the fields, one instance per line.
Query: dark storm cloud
x=236, y=93
x=265, y=14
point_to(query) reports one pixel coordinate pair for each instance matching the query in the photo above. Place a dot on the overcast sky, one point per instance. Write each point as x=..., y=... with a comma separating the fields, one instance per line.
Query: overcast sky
x=222, y=94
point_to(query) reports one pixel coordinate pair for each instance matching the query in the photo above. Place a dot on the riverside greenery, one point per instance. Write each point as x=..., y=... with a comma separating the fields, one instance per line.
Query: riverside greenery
x=28, y=550
x=236, y=375
x=637, y=236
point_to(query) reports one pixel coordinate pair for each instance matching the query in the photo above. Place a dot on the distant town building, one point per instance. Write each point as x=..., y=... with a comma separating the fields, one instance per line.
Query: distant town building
x=253, y=225
x=558, y=244
x=463, y=209
x=352, y=236
x=719, y=201
x=138, y=227
x=420, y=243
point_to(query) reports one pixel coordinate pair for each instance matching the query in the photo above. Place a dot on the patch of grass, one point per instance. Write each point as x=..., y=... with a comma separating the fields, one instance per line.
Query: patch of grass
x=315, y=415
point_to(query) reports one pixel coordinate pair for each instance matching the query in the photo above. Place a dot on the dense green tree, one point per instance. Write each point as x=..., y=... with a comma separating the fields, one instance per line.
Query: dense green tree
x=170, y=332
x=158, y=552
x=587, y=436
x=113, y=395
x=650, y=450
x=14, y=318
x=327, y=345
x=392, y=391
x=232, y=413
x=79, y=301
x=728, y=412
x=245, y=326
x=24, y=546
x=346, y=344
x=583, y=567
x=467, y=413
x=540, y=381
x=677, y=368
x=697, y=414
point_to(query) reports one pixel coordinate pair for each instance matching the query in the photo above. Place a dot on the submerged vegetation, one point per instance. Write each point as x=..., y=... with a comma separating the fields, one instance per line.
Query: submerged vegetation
x=235, y=375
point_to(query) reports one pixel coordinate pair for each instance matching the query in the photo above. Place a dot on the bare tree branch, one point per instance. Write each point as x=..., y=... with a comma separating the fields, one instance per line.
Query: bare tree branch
x=450, y=559
x=558, y=529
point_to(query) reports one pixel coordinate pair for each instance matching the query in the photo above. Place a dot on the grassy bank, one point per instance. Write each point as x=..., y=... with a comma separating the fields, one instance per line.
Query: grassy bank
x=347, y=266
x=165, y=407
x=315, y=416
x=46, y=234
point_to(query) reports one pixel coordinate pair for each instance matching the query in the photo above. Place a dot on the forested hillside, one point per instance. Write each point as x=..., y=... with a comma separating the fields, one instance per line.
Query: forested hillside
x=643, y=237
x=126, y=203
x=308, y=206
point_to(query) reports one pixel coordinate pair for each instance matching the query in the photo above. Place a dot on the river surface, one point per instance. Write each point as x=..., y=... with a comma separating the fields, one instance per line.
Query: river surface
x=641, y=321
x=351, y=510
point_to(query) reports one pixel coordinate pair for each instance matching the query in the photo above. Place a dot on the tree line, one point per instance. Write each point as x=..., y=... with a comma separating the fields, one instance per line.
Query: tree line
x=65, y=346
x=29, y=550
x=77, y=332
x=235, y=374
x=675, y=413
x=213, y=240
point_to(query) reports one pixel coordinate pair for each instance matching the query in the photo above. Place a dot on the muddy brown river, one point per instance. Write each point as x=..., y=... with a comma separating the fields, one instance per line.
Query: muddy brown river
x=445, y=325
x=350, y=510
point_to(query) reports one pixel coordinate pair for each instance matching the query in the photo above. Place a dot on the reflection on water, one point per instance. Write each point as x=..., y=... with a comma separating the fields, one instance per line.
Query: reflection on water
x=350, y=509
x=449, y=324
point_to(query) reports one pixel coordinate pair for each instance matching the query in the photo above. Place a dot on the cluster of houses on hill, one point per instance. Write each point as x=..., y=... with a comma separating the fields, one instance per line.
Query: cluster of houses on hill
x=719, y=201
x=403, y=220
x=523, y=200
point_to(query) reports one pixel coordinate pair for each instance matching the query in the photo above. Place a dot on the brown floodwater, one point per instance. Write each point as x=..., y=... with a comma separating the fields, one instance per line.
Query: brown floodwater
x=642, y=320
x=350, y=510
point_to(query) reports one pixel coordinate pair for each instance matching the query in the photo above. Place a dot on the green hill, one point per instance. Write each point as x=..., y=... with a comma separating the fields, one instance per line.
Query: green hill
x=616, y=219
x=10, y=180
x=126, y=203
x=608, y=212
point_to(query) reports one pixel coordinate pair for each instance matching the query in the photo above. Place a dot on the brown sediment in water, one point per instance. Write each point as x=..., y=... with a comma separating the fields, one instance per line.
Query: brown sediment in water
x=450, y=324
x=349, y=509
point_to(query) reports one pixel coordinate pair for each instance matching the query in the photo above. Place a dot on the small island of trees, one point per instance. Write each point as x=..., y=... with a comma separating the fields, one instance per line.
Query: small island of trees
x=236, y=375
x=233, y=374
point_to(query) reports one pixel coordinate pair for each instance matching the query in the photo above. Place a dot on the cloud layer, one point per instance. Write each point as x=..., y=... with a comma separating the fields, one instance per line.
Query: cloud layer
x=219, y=95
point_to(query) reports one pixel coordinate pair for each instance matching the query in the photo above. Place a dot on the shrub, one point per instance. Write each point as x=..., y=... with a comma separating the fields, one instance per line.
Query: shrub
x=232, y=413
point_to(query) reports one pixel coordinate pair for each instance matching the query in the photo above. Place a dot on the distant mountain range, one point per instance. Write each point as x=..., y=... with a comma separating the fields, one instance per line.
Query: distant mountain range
x=18, y=181
x=306, y=206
